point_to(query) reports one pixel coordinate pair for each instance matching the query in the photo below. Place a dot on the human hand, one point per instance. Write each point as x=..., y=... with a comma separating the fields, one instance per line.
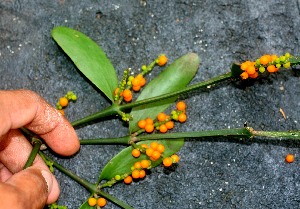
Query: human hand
x=35, y=186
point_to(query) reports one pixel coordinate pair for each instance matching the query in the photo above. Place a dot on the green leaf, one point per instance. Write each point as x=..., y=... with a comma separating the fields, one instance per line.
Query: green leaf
x=294, y=60
x=88, y=57
x=175, y=77
x=236, y=70
x=122, y=162
x=85, y=205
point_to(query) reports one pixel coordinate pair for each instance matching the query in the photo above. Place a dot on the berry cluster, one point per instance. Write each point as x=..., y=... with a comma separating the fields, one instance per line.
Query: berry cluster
x=153, y=152
x=64, y=101
x=135, y=83
x=270, y=63
x=94, y=201
x=164, y=122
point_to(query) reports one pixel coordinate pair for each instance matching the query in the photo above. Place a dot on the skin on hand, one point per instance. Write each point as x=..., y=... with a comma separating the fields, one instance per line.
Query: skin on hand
x=35, y=186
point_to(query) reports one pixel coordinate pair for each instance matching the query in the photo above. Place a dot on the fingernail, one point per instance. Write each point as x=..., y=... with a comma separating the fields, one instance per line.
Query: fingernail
x=48, y=178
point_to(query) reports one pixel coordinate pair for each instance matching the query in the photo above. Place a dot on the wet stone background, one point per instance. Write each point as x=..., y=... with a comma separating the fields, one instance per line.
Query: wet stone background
x=213, y=173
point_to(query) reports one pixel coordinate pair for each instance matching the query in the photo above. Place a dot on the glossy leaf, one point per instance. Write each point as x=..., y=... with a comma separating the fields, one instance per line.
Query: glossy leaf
x=88, y=57
x=175, y=77
x=123, y=161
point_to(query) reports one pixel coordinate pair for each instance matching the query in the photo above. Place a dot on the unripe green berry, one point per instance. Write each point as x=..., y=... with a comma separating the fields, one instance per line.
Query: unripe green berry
x=74, y=97
x=257, y=62
x=287, y=65
x=117, y=177
x=130, y=78
x=278, y=66
x=261, y=69
x=144, y=67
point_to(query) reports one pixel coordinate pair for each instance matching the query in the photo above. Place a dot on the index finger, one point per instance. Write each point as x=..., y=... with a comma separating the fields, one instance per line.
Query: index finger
x=24, y=108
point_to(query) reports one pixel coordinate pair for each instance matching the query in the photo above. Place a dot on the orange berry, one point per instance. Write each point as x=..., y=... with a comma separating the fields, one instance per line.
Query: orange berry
x=254, y=75
x=251, y=70
x=128, y=99
x=136, y=88
x=162, y=60
x=289, y=158
x=135, y=174
x=145, y=163
x=169, y=124
x=142, y=174
x=136, y=82
x=92, y=201
x=245, y=65
x=160, y=148
x=127, y=93
x=181, y=105
x=63, y=101
x=135, y=153
x=167, y=162
x=163, y=128
x=274, y=57
x=154, y=145
x=244, y=75
x=265, y=59
x=149, y=152
x=271, y=69
x=149, y=128
x=149, y=121
x=176, y=158
x=155, y=155
x=182, y=117
x=143, y=81
x=161, y=116
x=101, y=202
x=142, y=123
x=128, y=180
x=137, y=165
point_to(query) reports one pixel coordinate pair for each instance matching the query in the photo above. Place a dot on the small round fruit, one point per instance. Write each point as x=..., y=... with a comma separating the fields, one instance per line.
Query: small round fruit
x=289, y=158
x=92, y=201
x=135, y=153
x=128, y=180
x=63, y=101
x=101, y=202
x=167, y=162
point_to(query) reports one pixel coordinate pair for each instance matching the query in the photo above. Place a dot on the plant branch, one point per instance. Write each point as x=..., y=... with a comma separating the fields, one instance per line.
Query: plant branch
x=122, y=140
x=37, y=143
x=89, y=186
x=114, y=109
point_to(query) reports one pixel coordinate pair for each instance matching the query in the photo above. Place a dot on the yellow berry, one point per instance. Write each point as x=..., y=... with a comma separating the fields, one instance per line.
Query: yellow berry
x=92, y=201
x=175, y=158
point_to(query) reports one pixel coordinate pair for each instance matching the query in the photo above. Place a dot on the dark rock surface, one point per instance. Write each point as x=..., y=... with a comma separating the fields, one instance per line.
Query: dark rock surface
x=213, y=173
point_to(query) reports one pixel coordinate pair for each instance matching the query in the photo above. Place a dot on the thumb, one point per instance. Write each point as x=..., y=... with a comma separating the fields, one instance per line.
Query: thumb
x=27, y=189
